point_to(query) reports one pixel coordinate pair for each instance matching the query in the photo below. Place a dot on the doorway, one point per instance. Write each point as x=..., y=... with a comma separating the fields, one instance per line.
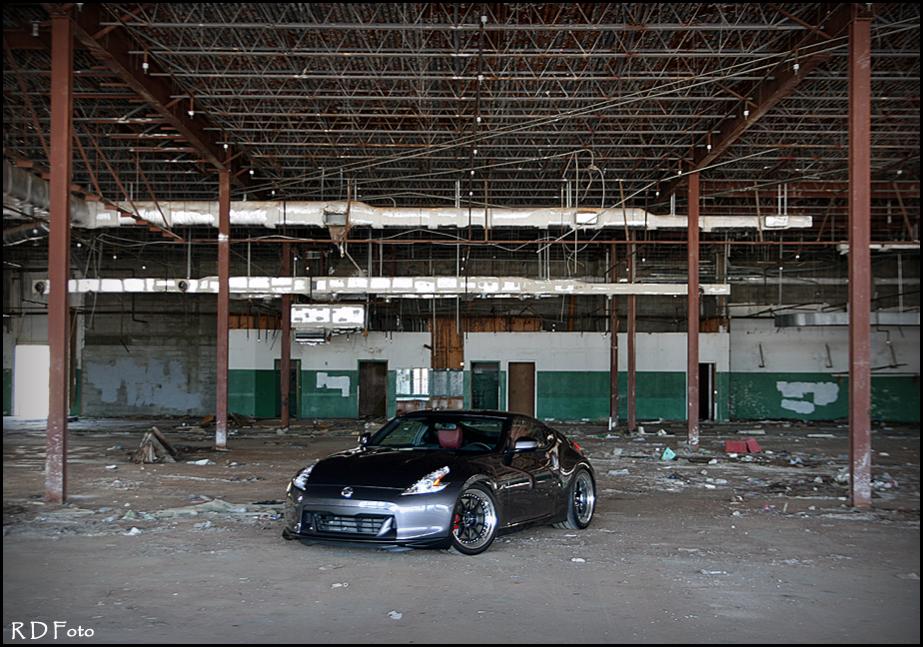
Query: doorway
x=522, y=388
x=706, y=391
x=31, y=366
x=294, y=388
x=373, y=389
x=485, y=385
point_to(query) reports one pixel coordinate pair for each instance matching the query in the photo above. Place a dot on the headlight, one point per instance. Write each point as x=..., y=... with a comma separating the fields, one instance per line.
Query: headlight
x=301, y=479
x=432, y=482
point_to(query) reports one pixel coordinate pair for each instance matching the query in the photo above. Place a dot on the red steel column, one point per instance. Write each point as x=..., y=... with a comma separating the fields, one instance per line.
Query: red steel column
x=224, y=294
x=860, y=281
x=285, y=362
x=62, y=107
x=632, y=330
x=613, y=344
x=692, y=328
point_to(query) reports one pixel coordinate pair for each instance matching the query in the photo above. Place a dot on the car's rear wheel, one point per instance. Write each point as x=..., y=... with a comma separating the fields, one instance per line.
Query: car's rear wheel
x=581, y=502
x=474, y=520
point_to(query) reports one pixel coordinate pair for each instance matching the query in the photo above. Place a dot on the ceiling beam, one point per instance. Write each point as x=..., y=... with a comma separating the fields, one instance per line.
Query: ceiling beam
x=113, y=48
x=779, y=83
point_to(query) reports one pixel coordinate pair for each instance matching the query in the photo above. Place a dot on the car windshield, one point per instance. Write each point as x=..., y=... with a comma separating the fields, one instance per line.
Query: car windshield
x=470, y=433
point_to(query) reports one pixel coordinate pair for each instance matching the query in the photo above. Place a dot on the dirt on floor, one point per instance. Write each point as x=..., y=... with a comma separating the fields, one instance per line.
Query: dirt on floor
x=707, y=547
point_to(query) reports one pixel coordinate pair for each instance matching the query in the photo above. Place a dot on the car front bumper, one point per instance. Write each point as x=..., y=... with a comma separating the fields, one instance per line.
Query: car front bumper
x=370, y=515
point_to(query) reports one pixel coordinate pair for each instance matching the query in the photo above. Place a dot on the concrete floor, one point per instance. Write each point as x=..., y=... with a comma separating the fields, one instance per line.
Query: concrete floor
x=679, y=551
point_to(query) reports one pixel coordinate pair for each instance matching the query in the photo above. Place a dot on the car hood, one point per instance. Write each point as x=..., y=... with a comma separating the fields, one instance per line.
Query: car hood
x=385, y=467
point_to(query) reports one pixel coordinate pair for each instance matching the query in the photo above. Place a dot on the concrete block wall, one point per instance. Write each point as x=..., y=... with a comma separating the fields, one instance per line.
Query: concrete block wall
x=329, y=377
x=803, y=373
x=572, y=371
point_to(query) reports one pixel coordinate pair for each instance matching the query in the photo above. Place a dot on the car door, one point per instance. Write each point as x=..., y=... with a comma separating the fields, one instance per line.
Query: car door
x=533, y=482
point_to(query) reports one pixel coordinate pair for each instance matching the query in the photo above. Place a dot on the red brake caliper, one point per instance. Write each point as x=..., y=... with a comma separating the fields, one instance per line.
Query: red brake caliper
x=456, y=522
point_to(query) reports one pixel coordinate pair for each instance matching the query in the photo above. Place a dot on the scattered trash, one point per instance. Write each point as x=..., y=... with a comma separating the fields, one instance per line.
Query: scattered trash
x=112, y=467
x=707, y=572
x=342, y=585
x=204, y=525
x=616, y=452
x=578, y=560
x=621, y=472
x=742, y=446
x=131, y=533
x=668, y=455
x=640, y=430
x=842, y=476
x=662, y=432
x=204, y=461
x=395, y=615
x=751, y=432
x=821, y=436
x=154, y=448
x=713, y=461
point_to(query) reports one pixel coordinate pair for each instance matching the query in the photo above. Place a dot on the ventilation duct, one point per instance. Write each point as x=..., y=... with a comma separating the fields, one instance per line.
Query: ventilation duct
x=275, y=214
x=26, y=194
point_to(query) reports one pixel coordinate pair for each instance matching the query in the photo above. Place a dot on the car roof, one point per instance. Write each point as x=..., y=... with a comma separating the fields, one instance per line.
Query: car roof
x=461, y=412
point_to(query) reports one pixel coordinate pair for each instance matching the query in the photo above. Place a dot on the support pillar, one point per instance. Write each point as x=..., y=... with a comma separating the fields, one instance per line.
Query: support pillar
x=224, y=270
x=285, y=361
x=860, y=275
x=692, y=328
x=632, y=333
x=62, y=109
x=613, y=344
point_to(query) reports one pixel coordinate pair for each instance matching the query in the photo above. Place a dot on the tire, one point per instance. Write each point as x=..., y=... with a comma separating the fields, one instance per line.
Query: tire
x=474, y=520
x=581, y=502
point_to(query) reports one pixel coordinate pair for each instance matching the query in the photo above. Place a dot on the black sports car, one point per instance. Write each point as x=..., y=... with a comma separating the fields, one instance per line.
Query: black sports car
x=443, y=478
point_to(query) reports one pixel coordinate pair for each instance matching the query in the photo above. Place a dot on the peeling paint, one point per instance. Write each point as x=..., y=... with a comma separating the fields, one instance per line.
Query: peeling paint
x=341, y=382
x=795, y=394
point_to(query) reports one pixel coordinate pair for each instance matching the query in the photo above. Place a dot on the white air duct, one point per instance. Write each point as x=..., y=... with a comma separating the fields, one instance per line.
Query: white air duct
x=322, y=214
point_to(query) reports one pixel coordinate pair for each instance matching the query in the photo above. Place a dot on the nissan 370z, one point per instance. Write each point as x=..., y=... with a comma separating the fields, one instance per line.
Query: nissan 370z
x=443, y=479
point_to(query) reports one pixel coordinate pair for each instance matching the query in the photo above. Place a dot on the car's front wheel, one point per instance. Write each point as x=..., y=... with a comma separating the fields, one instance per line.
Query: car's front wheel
x=581, y=502
x=474, y=520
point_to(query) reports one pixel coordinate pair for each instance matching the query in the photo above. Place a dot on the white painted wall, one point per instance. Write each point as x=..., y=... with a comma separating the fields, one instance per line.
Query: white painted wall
x=400, y=350
x=574, y=351
x=804, y=350
x=30, y=381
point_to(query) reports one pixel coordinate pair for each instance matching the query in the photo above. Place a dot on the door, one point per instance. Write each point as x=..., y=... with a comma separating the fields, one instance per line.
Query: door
x=706, y=391
x=31, y=365
x=373, y=389
x=294, y=388
x=532, y=489
x=522, y=388
x=485, y=385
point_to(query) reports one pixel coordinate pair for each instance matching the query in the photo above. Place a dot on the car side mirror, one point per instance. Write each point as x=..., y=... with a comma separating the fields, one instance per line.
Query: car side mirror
x=525, y=445
x=364, y=439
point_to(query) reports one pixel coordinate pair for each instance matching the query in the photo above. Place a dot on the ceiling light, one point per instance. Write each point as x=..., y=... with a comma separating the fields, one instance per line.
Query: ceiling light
x=35, y=29
x=746, y=112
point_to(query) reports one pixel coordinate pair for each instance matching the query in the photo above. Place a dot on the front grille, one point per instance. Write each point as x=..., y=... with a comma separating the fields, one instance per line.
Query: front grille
x=363, y=525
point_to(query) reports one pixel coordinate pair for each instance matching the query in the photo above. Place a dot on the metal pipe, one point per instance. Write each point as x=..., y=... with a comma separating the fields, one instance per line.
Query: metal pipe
x=613, y=343
x=860, y=103
x=692, y=332
x=224, y=294
x=632, y=348
x=285, y=347
x=62, y=109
